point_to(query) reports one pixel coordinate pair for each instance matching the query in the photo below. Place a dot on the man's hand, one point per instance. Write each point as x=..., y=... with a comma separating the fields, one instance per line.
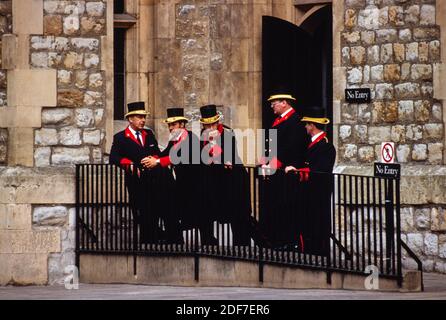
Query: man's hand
x=290, y=169
x=149, y=162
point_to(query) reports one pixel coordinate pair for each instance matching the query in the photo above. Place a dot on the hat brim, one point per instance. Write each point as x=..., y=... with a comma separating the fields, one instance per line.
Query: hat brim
x=281, y=96
x=175, y=119
x=136, y=112
x=210, y=120
x=316, y=120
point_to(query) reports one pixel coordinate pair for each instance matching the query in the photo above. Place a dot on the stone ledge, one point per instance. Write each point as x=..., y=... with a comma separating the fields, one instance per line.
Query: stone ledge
x=155, y=270
x=37, y=185
x=420, y=184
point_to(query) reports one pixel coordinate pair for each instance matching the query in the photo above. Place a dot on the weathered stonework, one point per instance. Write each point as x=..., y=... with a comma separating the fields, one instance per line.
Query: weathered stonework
x=5, y=28
x=71, y=44
x=402, y=44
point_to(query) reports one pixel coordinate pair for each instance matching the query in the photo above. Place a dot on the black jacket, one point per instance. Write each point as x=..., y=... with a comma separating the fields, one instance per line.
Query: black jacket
x=126, y=150
x=292, y=142
x=321, y=156
x=226, y=190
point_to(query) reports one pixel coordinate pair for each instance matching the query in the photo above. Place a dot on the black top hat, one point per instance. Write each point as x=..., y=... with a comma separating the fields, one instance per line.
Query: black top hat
x=316, y=115
x=209, y=114
x=175, y=114
x=136, y=108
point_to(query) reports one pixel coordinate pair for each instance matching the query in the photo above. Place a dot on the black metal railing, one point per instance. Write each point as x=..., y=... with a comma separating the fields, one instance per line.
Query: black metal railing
x=332, y=222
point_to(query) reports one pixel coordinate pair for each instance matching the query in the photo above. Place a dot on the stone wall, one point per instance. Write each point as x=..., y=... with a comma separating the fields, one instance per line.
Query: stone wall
x=391, y=47
x=73, y=131
x=394, y=47
x=53, y=59
x=5, y=27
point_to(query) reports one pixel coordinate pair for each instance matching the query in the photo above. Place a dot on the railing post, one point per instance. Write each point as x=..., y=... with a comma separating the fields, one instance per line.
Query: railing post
x=398, y=233
x=77, y=251
x=390, y=229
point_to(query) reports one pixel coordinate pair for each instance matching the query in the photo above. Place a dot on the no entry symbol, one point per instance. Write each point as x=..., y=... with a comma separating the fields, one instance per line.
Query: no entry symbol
x=387, y=152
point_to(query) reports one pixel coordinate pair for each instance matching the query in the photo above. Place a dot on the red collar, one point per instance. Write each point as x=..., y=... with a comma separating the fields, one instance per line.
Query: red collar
x=129, y=134
x=183, y=136
x=281, y=119
x=322, y=136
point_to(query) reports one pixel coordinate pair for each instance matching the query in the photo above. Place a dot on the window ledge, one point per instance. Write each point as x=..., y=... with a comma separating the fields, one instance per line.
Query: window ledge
x=310, y=2
x=124, y=20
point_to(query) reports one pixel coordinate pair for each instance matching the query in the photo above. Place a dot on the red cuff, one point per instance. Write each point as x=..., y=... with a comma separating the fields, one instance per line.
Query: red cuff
x=275, y=163
x=156, y=156
x=165, y=161
x=125, y=162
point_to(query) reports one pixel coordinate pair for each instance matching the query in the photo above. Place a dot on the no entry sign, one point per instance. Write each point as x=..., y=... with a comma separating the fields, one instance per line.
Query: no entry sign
x=387, y=152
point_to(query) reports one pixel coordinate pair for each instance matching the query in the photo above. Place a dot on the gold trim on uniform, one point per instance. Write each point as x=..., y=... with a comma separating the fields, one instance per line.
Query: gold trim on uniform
x=317, y=120
x=210, y=120
x=175, y=119
x=281, y=96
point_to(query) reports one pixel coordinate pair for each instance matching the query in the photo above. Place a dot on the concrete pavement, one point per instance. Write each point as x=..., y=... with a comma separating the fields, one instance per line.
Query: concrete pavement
x=435, y=288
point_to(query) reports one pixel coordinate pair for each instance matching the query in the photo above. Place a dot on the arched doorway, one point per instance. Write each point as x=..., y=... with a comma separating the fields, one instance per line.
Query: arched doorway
x=299, y=59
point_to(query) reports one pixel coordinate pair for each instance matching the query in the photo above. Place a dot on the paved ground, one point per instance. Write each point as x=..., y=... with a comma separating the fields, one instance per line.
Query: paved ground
x=435, y=288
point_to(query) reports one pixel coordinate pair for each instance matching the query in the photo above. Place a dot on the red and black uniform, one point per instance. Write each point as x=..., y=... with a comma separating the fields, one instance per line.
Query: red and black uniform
x=178, y=157
x=320, y=159
x=226, y=195
x=279, y=217
x=145, y=193
x=292, y=141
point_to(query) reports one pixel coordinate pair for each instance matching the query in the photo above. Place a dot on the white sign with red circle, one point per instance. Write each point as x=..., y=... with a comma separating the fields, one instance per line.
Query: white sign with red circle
x=387, y=152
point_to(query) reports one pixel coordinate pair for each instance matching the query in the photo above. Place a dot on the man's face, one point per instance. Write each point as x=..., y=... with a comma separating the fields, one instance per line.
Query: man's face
x=175, y=125
x=210, y=126
x=278, y=106
x=137, y=121
x=309, y=127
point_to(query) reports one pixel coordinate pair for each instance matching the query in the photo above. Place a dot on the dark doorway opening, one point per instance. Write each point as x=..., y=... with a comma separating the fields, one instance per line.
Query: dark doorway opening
x=299, y=59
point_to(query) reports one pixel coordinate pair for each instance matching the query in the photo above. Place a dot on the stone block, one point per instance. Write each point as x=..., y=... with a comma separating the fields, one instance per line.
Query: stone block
x=435, y=153
x=166, y=270
x=70, y=156
x=106, y=269
x=37, y=185
x=42, y=156
x=20, y=147
x=13, y=117
x=50, y=216
x=439, y=75
x=24, y=269
x=9, y=46
x=438, y=216
x=32, y=88
x=52, y=25
x=28, y=17
x=239, y=55
x=12, y=241
x=423, y=184
x=15, y=216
